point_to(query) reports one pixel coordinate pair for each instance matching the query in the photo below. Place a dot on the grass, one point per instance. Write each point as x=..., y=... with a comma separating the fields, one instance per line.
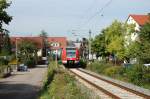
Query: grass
x=60, y=85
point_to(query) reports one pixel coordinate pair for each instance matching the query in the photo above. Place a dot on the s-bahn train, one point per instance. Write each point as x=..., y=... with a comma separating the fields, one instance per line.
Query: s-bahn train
x=70, y=56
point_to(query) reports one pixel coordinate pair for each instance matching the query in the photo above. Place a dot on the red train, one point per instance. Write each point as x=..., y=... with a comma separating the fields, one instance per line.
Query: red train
x=70, y=56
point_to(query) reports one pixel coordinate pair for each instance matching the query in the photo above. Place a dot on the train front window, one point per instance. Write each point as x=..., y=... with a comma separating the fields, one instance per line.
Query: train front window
x=71, y=53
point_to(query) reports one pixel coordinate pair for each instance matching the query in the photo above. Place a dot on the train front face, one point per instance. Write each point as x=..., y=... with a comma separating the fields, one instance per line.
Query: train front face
x=72, y=56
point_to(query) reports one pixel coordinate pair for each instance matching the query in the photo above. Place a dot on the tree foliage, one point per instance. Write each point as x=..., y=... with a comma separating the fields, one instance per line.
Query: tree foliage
x=5, y=18
x=112, y=40
x=98, y=45
x=115, y=37
x=27, y=52
x=6, y=50
x=144, y=44
x=44, y=35
x=140, y=48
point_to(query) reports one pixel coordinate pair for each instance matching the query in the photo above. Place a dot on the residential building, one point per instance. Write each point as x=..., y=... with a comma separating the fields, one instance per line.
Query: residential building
x=138, y=21
x=57, y=43
x=54, y=43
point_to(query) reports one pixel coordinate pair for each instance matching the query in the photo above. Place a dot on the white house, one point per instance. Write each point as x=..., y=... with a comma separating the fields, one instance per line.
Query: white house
x=138, y=21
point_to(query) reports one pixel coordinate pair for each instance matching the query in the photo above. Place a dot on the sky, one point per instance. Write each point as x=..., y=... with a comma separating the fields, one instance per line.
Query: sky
x=70, y=18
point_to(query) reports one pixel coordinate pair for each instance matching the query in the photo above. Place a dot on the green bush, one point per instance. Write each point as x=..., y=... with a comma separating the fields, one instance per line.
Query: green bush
x=50, y=74
x=60, y=62
x=30, y=63
x=97, y=66
x=113, y=71
x=3, y=61
x=83, y=63
x=136, y=74
x=139, y=74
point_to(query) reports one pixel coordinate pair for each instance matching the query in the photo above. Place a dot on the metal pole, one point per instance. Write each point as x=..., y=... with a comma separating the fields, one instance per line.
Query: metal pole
x=56, y=58
x=16, y=53
x=90, y=44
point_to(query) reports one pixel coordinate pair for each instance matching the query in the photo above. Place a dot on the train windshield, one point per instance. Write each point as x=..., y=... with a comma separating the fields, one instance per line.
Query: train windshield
x=71, y=53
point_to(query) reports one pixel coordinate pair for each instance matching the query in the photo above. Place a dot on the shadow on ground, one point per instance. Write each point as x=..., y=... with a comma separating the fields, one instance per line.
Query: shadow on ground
x=18, y=91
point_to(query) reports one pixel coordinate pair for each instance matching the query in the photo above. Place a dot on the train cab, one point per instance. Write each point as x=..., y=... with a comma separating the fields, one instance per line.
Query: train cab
x=70, y=55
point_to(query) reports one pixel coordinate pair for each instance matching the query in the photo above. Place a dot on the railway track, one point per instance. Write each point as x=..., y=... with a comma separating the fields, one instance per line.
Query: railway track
x=111, y=89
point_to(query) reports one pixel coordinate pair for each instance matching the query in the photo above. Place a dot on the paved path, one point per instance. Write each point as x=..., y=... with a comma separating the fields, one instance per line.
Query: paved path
x=22, y=85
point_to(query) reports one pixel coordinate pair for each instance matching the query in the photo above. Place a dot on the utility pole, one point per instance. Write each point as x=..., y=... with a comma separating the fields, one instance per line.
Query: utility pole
x=17, y=52
x=90, y=44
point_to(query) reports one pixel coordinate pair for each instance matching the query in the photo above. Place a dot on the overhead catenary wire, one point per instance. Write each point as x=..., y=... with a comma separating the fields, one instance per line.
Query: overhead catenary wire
x=100, y=11
x=91, y=17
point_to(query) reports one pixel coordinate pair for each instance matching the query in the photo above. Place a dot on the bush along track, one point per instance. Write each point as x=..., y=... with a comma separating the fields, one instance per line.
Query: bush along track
x=136, y=74
x=60, y=85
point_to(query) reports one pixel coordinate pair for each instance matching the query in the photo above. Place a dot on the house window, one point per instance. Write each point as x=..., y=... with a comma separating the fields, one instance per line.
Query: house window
x=55, y=44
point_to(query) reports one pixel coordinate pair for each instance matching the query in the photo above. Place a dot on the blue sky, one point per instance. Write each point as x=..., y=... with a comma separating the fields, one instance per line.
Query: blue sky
x=61, y=17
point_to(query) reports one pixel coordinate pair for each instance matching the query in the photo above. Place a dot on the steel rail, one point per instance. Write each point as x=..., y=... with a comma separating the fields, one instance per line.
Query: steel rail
x=118, y=85
x=98, y=87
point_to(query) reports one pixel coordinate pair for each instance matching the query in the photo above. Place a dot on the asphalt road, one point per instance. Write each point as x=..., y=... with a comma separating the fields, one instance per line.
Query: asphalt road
x=22, y=85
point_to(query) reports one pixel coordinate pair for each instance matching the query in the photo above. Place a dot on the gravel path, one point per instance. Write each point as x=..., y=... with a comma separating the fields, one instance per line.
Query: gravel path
x=22, y=85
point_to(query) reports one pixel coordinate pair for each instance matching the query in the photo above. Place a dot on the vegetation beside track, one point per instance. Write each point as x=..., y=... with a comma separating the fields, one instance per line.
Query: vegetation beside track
x=136, y=74
x=60, y=85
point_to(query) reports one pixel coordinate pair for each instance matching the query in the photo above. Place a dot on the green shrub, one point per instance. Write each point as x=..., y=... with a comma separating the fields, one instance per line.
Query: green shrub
x=136, y=74
x=3, y=61
x=139, y=74
x=60, y=62
x=50, y=74
x=30, y=63
x=146, y=75
x=83, y=63
x=98, y=67
x=113, y=71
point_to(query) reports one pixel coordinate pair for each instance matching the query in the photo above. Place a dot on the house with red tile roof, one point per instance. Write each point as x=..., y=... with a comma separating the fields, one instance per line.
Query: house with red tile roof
x=36, y=40
x=57, y=43
x=54, y=43
x=138, y=21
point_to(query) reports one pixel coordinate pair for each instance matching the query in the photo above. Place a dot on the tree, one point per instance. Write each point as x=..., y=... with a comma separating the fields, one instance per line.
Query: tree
x=144, y=43
x=115, y=38
x=4, y=17
x=98, y=45
x=7, y=45
x=44, y=35
x=28, y=52
x=140, y=49
x=111, y=40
